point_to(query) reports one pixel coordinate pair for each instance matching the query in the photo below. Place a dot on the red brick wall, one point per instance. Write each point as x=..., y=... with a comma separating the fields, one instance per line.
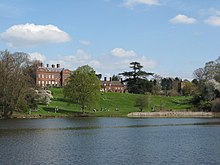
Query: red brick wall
x=46, y=76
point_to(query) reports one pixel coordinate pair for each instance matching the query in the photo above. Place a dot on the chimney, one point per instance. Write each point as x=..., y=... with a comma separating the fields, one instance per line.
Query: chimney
x=110, y=79
x=53, y=65
x=47, y=65
x=105, y=79
x=58, y=65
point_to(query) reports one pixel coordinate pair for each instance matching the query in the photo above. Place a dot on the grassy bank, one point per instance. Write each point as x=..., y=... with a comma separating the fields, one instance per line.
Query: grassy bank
x=111, y=104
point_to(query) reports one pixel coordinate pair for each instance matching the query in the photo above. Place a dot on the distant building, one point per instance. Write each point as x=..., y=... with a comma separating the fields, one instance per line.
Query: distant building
x=112, y=86
x=46, y=76
x=55, y=76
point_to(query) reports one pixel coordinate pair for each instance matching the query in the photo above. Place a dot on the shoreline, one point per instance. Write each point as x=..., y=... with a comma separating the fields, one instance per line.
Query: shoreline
x=166, y=114
x=173, y=114
x=45, y=116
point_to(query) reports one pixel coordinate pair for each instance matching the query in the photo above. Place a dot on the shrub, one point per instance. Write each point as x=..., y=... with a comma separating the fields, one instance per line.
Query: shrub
x=216, y=105
x=205, y=106
x=44, y=96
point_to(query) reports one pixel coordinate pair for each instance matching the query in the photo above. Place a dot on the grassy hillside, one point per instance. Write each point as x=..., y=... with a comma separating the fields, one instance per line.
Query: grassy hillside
x=113, y=104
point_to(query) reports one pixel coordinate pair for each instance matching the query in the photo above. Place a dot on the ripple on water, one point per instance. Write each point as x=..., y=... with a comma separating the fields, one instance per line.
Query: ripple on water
x=111, y=141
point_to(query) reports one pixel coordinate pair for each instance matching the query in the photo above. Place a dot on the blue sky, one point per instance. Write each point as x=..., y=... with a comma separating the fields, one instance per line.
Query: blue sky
x=168, y=37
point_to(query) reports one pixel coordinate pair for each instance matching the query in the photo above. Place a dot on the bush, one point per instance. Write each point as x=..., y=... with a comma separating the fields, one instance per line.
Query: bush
x=205, y=106
x=216, y=105
x=22, y=105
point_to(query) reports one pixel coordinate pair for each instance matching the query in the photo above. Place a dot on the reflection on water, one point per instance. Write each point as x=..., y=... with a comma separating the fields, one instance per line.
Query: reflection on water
x=110, y=141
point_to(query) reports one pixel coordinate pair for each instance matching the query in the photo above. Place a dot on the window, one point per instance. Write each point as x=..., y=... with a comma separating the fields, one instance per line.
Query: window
x=42, y=75
x=38, y=75
x=39, y=82
x=46, y=76
x=52, y=76
x=49, y=75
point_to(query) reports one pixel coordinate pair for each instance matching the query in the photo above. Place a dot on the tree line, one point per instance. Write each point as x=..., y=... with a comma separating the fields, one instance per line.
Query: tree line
x=204, y=89
x=17, y=85
x=137, y=82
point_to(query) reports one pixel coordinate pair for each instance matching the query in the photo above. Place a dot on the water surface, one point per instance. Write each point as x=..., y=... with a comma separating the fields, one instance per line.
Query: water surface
x=110, y=141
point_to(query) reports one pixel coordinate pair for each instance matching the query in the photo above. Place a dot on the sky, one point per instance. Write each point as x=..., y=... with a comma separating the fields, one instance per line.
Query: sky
x=171, y=38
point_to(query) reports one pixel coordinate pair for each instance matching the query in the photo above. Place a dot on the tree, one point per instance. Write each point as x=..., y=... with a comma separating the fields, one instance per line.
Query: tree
x=216, y=105
x=136, y=79
x=44, y=96
x=83, y=87
x=208, y=87
x=188, y=89
x=198, y=74
x=156, y=81
x=167, y=84
x=142, y=102
x=15, y=82
x=116, y=78
x=210, y=71
x=99, y=76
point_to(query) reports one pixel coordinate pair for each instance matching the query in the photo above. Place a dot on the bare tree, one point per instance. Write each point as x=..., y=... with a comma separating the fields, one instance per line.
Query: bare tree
x=198, y=74
x=15, y=82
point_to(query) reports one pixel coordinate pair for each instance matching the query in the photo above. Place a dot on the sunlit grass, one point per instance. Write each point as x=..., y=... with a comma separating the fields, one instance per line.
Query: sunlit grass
x=113, y=104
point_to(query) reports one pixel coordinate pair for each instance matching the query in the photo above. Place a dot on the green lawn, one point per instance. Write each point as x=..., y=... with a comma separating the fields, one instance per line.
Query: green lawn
x=113, y=104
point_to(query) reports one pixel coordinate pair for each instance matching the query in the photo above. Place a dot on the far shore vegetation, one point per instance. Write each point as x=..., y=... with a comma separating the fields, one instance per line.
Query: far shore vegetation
x=82, y=95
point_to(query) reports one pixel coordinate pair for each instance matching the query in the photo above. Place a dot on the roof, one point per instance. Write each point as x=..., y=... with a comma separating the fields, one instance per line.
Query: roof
x=47, y=69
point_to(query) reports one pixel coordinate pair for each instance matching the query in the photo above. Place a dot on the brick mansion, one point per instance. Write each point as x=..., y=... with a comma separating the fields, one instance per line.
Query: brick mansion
x=55, y=76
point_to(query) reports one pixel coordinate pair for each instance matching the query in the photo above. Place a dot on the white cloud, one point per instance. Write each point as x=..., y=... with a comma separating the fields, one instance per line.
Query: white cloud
x=213, y=20
x=25, y=35
x=113, y=64
x=182, y=19
x=210, y=11
x=132, y=3
x=37, y=56
x=107, y=64
x=85, y=42
x=79, y=58
x=127, y=56
x=214, y=11
x=147, y=63
x=81, y=55
x=95, y=63
x=119, y=52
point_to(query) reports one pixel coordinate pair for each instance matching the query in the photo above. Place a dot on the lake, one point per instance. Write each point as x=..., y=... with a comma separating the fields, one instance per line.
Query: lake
x=93, y=141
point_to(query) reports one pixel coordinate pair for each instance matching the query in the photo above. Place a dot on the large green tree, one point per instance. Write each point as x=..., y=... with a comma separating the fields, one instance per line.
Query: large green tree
x=136, y=79
x=15, y=83
x=83, y=87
